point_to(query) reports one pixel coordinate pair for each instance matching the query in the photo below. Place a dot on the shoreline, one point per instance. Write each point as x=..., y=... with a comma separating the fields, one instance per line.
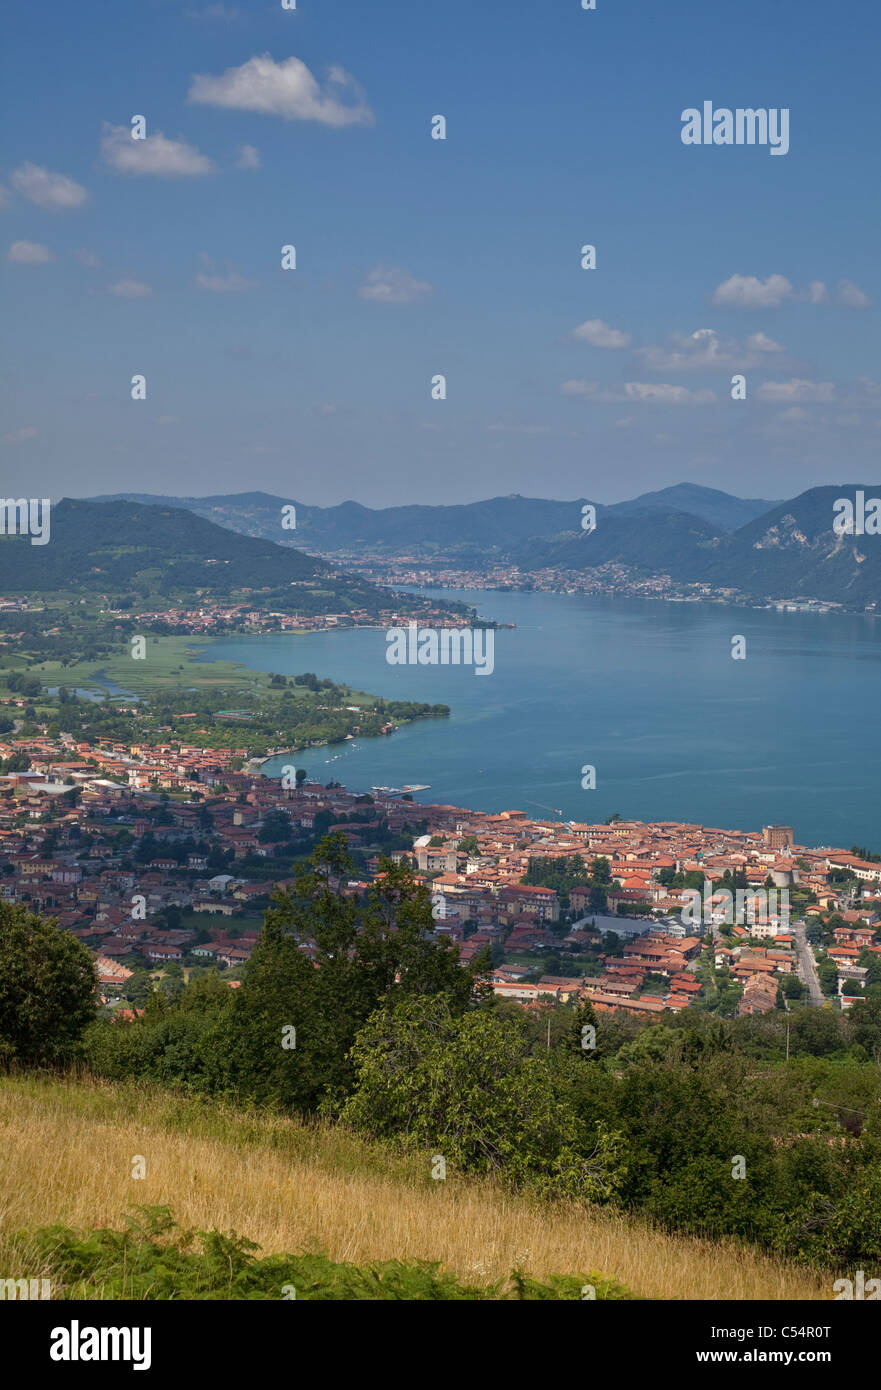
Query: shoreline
x=817, y=607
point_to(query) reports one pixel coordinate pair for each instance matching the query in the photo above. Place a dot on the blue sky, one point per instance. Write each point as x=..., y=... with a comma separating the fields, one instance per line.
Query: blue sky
x=417, y=256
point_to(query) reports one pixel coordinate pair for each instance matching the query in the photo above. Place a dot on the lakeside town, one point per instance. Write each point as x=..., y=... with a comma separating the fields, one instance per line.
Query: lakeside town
x=216, y=618
x=612, y=579
x=162, y=857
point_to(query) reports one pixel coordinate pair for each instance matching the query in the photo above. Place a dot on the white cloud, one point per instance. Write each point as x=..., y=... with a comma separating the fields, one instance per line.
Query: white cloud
x=637, y=392
x=88, y=258
x=29, y=253
x=154, y=155
x=852, y=297
x=760, y=342
x=855, y=400
x=285, y=89
x=798, y=391
x=600, y=335
x=704, y=350
x=55, y=192
x=748, y=292
x=20, y=436
x=249, y=157
x=230, y=283
x=390, y=286
x=221, y=280
x=167, y=420
x=816, y=293
x=130, y=289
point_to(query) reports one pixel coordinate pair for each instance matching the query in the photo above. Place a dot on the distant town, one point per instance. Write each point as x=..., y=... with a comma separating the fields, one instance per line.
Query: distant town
x=210, y=618
x=612, y=578
x=162, y=857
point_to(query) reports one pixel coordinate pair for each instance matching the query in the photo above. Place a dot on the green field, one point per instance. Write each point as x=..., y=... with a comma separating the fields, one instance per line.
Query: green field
x=171, y=663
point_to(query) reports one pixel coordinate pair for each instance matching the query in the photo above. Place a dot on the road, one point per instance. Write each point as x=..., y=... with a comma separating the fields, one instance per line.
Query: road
x=807, y=968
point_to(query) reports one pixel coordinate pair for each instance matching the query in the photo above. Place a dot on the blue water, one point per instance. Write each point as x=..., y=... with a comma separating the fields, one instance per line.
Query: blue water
x=107, y=687
x=645, y=691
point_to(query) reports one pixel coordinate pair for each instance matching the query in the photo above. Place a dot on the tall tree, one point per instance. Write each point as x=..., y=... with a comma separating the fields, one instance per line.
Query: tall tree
x=47, y=988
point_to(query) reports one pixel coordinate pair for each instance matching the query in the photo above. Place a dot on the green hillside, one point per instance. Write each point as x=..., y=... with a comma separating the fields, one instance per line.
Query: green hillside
x=166, y=555
x=333, y=1216
x=791, y=552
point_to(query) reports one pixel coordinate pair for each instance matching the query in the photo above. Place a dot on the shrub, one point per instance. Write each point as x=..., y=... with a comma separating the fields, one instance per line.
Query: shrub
x=153, y=1259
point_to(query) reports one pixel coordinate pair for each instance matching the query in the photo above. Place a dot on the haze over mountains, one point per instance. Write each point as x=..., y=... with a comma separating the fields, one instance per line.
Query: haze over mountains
x=499, y=522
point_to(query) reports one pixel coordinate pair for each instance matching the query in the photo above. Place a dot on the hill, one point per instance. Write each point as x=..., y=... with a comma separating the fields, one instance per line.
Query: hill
x=309, y=1188
x=497, y=522
x=794, y=551
x=791, y=552
x=720, y=509
x=166, y=553
x=651, y=543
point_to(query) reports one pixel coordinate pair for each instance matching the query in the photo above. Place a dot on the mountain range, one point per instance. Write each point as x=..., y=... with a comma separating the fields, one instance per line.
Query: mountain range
x=498, y=523
x=686, y=535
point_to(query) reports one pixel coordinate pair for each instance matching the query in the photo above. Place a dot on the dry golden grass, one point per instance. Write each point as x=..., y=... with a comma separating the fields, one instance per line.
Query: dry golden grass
x=68, y=1147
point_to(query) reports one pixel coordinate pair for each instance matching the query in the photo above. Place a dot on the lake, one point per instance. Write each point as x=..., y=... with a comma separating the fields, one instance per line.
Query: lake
x=646, y=692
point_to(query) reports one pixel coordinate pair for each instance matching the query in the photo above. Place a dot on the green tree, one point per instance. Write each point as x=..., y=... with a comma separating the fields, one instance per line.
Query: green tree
x=464, y=1087
x=252, y=1051
x=827, y=974
x=276, y=827
x=583, y=1036
x=363, y=952
x=47, y=986
x=599, y=870
x=864, y=1024
x=817, y=1032
x=792, y=987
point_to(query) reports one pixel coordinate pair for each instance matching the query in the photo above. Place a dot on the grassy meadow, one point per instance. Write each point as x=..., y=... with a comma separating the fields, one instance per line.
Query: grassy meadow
x=69, y=1146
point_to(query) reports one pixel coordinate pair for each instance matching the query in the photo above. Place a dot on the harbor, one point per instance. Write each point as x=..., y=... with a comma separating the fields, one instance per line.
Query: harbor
x=405, y=790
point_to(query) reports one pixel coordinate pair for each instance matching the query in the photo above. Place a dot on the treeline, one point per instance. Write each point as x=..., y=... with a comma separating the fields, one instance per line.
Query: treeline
x=767, y=1129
